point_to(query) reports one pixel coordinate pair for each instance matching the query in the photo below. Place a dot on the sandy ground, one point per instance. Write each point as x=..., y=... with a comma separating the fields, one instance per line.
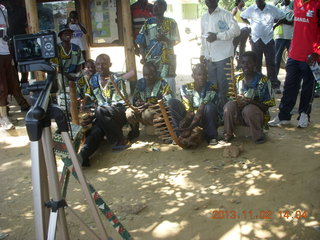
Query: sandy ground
x=160, y=191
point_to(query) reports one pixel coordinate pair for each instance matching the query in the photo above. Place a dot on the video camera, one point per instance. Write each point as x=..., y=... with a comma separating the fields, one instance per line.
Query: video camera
x=33, y=51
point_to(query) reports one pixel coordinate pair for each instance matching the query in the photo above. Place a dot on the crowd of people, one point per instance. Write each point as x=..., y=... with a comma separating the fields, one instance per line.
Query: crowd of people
x=205, y=103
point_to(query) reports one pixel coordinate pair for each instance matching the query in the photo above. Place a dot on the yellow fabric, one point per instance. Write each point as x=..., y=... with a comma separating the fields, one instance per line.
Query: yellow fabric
x=237, y=17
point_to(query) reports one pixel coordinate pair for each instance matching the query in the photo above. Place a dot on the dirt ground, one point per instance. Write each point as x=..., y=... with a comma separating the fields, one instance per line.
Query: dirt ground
x=159, y=191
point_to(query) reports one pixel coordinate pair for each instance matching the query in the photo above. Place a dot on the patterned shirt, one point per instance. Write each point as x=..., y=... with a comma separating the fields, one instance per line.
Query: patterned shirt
x=69, y=61
x=161, y=53
x=259, y=90
x=160, y=90
x=83, y=87
x=108, y=95
x=192, y=100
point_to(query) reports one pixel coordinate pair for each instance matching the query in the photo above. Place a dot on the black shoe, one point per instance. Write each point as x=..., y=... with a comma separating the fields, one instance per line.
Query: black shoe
x=86, y=163
x=25, y=108
x=133, y=134
x=260, y=140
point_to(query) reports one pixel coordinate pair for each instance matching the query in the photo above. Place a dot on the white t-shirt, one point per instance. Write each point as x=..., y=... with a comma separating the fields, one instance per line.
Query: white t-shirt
x=78, y=37
x=4, y=49
x=262, y=21
x=225, y=26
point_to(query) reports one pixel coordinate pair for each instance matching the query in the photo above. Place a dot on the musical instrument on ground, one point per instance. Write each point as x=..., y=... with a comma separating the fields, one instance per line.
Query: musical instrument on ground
x=163, y=125
x=232, y=91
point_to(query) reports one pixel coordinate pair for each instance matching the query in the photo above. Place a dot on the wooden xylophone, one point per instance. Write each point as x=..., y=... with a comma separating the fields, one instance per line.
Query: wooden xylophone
x=163, y=125
x=232, y=91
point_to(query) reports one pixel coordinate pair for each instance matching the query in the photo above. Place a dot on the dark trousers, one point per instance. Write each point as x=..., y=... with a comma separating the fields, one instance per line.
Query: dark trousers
x=217, y=74
x=92, y=142
x=297, y=71
x=241, y=40
x=268, y=50
x=109, y=122
x=281, y=44
x=209, y=121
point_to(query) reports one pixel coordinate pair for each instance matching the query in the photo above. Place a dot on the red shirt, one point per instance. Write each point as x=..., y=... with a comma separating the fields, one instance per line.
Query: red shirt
x=306, y=34
x=140, y=13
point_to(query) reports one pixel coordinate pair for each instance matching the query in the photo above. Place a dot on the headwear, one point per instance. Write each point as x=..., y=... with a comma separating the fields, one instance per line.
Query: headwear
x=63, y=28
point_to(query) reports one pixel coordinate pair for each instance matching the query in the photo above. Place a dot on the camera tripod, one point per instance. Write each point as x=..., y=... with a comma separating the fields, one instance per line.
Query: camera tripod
x=53, y=224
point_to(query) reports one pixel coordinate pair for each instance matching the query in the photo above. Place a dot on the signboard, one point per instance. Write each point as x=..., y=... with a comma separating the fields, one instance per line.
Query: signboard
x=103, y=15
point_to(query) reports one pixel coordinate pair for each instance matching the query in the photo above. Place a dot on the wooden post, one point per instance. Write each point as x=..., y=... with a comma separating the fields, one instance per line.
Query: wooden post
x=128, y=37
x=33, y=26
x=32, y=15
x=85, y=20
x=73, y=103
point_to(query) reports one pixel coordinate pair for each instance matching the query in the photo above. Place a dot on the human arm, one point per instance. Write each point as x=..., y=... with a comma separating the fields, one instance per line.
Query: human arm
x=141, y=43
x=282, y=21
x=242, y=101
x=171, y=37
x=234, y=11
x=231, y=31
x=246, y=14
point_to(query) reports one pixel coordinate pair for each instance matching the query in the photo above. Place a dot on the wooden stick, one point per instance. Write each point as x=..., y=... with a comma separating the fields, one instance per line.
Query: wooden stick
x=121, y=95
x=73, y=103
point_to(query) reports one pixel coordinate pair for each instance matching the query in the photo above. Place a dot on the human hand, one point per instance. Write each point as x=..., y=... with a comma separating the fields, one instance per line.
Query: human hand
x=212, y=37
x=185, y=132
x=143, y=61
x=242, y=101
x=202, y=60
x=162, y=38
x=312, y=58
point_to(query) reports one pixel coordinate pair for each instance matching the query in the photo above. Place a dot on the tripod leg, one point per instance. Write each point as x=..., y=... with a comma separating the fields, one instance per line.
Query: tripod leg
x=40, y=189
x=84, y=185
x=56, y=188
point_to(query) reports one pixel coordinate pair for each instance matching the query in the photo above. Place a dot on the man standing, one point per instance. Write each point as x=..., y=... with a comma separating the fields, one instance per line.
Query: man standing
x=140, y=11
x=156, y=40
x=245, y=30
x=7, y=74
x=304, y=51
x=218, y=28
x=261, y=17
x=283, y=31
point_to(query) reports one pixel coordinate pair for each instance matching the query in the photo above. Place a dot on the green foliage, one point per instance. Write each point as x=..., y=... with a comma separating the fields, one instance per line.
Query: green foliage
x=226, y=4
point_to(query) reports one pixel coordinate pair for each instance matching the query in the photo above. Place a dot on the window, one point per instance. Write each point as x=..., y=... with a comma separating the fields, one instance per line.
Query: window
x=52, y=14
x=189, y=11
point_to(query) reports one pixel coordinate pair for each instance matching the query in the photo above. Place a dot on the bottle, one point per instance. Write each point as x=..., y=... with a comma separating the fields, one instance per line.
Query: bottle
x=315, y=68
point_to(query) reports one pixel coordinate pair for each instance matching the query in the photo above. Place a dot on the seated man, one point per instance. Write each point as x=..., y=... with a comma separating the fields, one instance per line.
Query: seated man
x=109, y=115
x=254, y=96
x=198, y=107
x=149, y=90
x=84, y=90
